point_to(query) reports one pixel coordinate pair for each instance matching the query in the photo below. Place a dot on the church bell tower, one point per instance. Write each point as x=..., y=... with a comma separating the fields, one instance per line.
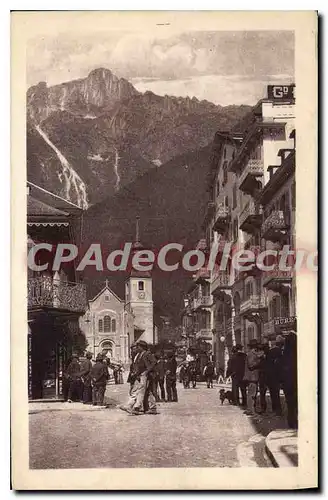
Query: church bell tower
x=139, y=299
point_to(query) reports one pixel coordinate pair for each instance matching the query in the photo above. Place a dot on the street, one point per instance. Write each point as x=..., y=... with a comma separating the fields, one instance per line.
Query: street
x=195, y=432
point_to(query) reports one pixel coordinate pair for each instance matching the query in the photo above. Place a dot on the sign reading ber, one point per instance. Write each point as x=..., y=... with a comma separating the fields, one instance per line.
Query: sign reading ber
x=281, y=92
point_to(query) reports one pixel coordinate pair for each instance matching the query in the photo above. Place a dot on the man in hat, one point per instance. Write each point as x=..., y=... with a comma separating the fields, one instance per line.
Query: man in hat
x=160, y=375
x=171, y=377
x=251, y=376
x=86, y=366
x=236, y=370
x=99, y=374
x=74, y=379
x=274, y=374
x=138, y=379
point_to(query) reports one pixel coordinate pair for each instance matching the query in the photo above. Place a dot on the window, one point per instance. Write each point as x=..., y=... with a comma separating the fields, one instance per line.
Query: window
x=250, y=332
x=106, y=298
x=249, y=290
x=113, y=325
x=284, y=306
x=234, y=196
x=107, y=324
x=225, y=173
x=100, y=325
x=275, y=307
x=235, y=230
x=293, y=195
x=257, y=153
x=141, y=286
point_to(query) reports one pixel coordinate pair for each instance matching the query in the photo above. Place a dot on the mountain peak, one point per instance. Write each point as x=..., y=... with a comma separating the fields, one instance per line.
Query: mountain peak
x=101, y=72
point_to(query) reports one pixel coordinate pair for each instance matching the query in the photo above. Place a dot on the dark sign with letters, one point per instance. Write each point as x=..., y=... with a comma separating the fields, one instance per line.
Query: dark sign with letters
x=281, y=92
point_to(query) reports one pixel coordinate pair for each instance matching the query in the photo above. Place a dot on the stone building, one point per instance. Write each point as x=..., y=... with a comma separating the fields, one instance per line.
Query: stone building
x=252, y=207
x=104, y=326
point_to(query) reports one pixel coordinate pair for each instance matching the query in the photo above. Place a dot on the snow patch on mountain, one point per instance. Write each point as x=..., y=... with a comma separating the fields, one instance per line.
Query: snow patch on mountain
x=75, y=189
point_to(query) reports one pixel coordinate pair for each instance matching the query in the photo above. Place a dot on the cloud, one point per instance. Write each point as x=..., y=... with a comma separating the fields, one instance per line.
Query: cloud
x=243, y=56
x=223, y=90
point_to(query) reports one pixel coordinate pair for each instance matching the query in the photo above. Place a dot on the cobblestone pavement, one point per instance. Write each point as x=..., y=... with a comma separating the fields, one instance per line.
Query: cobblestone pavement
x=195, y=432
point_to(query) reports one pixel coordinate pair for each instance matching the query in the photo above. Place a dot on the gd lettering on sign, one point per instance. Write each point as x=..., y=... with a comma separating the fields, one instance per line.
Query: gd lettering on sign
x=279, y=92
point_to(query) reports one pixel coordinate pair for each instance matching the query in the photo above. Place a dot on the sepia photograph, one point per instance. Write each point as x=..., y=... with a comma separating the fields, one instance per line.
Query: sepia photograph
x=166, y=266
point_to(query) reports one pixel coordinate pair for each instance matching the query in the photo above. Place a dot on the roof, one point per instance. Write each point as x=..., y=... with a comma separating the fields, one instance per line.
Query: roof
x=140, y=274
x=52, y=199
x=106, y=287
x=284, y=171
x=37, y=207
x=252, y=132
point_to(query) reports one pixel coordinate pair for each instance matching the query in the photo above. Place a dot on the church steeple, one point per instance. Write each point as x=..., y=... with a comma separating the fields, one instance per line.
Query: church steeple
x=137, y=245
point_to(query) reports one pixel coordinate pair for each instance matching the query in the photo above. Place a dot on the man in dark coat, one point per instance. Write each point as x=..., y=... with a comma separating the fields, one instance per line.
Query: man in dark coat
x=99, y=375
x=263, y=379
x=274, y=374
x=86, y=366
x=74, y=379
x=236, y=370
x=193, y=370
x=171, y=377
x=160, y=375
x=289, y=378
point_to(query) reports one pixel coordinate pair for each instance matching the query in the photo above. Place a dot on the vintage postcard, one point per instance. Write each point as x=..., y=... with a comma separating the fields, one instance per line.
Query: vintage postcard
x=164, y=270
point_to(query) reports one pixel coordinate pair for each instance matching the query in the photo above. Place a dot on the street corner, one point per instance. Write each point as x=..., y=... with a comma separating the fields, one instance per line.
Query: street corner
x=282, y=447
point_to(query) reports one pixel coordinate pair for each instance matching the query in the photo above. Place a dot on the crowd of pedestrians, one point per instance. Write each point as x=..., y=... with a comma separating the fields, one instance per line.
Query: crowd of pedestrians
x=85, y=380
x=266, y=369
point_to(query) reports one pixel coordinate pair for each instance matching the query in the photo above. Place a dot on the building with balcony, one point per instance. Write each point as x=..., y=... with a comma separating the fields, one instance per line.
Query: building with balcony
x=248, y=207
x=278, y=199
x=55, y=299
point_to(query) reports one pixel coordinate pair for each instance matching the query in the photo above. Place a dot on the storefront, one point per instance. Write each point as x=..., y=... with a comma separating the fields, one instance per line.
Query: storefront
x=51, y=342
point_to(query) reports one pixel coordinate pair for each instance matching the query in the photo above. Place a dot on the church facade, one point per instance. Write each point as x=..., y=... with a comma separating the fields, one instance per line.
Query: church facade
x=104, y=326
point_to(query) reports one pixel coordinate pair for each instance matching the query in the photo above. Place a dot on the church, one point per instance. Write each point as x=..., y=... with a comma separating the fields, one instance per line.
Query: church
x=112, y=324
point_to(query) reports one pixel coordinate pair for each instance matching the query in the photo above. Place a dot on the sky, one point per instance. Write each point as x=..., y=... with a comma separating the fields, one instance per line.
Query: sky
x=232, y=67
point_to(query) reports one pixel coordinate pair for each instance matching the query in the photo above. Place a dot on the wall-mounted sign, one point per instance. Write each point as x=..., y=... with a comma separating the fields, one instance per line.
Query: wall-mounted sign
x=281, y=92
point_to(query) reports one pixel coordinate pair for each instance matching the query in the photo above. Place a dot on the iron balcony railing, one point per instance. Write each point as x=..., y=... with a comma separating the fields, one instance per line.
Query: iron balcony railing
x=46, y=292
x=254, y=168
x=277, y=274
x=222, y=211
x=220, y=279
x=250, y=210
x=253, y=303
x=275, y=221
x=202, y=273
x=204, y=301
